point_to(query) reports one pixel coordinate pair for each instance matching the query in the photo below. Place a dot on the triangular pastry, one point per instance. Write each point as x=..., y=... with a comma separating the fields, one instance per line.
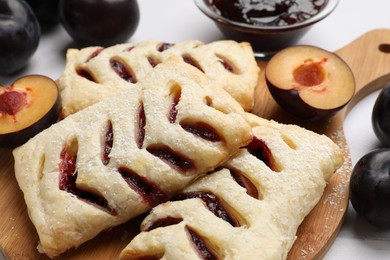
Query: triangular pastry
x=251, y=207
x=95, y=73
x=116, y=159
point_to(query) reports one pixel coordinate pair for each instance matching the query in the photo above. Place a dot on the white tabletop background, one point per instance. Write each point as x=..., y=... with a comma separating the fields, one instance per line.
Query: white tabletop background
x=177, y=20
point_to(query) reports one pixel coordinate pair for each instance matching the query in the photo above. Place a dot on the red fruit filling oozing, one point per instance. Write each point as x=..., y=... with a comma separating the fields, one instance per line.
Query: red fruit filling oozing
x=188, y=59
x=141, y=122
x=153, y=61
x=172, y=158
x=227, y=65
x=204, y=251
x=108, y=141
x=122, y=71
x=68, y=177
x=164, y=46
x=164, y=222
x=85, y=74
x=149, y=192
x=176, y=95
x=95, y=53
x=213, y=204
x=261, y=151
x=202, y=130
x=244, y=182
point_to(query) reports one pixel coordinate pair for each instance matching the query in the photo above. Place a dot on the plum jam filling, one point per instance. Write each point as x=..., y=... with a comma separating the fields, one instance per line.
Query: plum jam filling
x=153, y=61
x=227, y=65
x=95, y=53
x=244, y=182
x=172, y=158
x=68, y=177
x=310, y=73
x=204, y=251
x=164, y=46
x=261, y=151
x=212, y=203
x=11, y=102
x=108, y=141
x=176, y=94
x=122, y=71
x=149, y=192
x=202, y=130
x=150, y=257
x=188, y=59
x=141, y=122
x=85, y=74
x=129, y=49
x=164, y=222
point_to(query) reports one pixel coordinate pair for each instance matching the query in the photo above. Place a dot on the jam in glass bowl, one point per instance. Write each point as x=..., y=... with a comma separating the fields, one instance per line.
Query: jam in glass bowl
x=269, y=25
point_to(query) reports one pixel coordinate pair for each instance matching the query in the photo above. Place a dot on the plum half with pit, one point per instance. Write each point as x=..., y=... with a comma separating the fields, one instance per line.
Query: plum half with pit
x=103, y=22
x=19, y=35
x=370, y=187
x=31, y=104
x=381, y=116
x=309, y=82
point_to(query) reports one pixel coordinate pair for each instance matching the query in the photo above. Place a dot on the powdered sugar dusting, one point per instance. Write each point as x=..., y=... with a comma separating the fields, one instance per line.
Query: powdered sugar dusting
x=340, y=189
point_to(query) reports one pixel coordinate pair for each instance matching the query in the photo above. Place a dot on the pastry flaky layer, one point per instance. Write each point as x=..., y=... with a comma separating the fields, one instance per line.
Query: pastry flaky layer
x=118, y=158
x=93, y=73
x=248, y=209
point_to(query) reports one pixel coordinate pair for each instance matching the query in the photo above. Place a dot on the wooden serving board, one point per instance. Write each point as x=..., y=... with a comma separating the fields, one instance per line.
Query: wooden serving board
x=368, y=57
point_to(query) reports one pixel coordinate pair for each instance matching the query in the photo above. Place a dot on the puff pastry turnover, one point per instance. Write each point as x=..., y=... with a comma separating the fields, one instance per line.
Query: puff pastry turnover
x=251, y=207
x=116, y=159
x=94, y=73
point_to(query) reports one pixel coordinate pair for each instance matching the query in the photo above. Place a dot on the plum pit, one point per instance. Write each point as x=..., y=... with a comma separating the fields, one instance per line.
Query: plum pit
x=12, y=102
x=309, y=74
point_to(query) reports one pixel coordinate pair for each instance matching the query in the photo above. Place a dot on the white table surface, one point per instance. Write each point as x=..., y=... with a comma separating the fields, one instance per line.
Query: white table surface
x=177, y=20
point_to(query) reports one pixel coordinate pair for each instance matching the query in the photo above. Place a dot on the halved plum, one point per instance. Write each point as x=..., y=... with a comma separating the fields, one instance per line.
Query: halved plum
x=309, y=82
x=31, y=104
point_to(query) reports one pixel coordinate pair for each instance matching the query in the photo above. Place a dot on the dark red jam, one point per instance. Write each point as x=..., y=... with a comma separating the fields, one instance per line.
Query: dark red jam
x=212, y=202
x=141, y=122
x=67, y=182
x=164, y=222
x=261, y=151
x=205, y=251
x=268, y=13
x=108, y=142
x=149, y=191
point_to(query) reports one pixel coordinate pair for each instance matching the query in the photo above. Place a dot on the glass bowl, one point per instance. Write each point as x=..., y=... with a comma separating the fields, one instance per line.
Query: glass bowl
x=265, y=39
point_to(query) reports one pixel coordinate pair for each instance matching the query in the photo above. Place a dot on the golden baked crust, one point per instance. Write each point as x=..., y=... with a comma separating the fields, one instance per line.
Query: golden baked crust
x=89, y=75
x=265, y=191
x=116, y=159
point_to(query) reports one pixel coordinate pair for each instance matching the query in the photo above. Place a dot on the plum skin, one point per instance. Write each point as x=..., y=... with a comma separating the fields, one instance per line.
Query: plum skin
x=19, y=35
x=370, y=187
x=46, y=11
x=102, y=22
x=381, y=116
x=292, y=103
